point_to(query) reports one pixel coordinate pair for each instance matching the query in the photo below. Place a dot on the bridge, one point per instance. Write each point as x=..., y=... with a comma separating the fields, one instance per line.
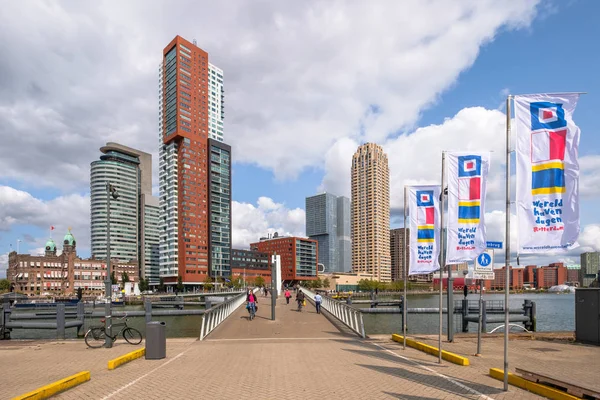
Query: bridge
x=299, y=354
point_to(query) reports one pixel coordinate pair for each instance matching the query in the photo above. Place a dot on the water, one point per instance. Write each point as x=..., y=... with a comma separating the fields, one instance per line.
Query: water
x=555, y=312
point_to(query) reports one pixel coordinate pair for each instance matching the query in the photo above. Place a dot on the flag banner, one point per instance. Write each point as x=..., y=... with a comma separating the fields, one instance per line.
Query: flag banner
x=424, y=211
x=547, y=172
x=467, y=176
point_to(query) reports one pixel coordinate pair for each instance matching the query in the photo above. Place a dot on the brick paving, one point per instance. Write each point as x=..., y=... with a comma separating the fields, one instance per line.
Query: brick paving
x=300, y=355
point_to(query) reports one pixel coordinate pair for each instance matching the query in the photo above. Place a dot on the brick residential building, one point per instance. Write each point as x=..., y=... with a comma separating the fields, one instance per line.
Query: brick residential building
x=63, y=274
x=499, y=282
x=299, y=257
x=250, y=264
x=546, y=276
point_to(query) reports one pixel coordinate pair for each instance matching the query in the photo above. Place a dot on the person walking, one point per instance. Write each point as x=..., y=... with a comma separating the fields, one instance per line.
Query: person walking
x=318, y=300
x=300, y=299
x=287, y=296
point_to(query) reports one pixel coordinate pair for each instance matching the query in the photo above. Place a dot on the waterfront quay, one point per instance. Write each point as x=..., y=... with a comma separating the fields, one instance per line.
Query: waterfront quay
x=300, y=354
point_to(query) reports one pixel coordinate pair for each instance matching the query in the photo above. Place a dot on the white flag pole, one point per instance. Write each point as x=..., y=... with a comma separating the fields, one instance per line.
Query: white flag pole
x=507, y=245
x=442, y=258
x=404, y=302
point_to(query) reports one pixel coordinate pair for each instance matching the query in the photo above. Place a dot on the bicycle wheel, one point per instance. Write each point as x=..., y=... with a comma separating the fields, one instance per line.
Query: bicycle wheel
x=95, y=338
x=132, y=335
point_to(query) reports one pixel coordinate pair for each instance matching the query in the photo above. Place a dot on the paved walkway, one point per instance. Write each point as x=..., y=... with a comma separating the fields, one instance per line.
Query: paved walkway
x=301, y=355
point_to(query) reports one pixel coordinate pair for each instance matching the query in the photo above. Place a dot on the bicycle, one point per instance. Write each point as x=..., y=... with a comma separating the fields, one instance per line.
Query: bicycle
x=95, y=337
x=251, y=310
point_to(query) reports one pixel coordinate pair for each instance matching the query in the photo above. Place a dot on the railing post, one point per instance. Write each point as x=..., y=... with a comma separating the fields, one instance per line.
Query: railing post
x=60, y=321
x=465, y=313
x=148, y=310
x=483, y=316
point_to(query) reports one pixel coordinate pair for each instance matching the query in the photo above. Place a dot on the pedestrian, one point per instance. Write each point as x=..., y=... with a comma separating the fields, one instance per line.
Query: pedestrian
x=287, y=296
x=252, y=300
x=300, y=299
x=318, y=300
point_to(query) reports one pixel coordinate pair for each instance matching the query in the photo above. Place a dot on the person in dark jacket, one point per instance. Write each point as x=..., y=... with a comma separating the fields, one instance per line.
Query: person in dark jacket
x=300, y=299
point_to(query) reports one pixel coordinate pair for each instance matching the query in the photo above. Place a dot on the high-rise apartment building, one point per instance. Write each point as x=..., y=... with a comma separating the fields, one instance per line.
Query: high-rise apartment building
x=328, y=222
x=194, y=167
x=371, y=212
x=590, y=265
x=397, y=251
x=133, y=216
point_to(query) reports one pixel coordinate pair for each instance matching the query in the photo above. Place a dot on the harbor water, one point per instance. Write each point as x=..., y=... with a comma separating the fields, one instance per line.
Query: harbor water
x=555, y=312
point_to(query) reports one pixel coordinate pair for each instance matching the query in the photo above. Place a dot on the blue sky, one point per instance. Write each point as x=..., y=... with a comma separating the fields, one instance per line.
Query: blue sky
x=300, y=80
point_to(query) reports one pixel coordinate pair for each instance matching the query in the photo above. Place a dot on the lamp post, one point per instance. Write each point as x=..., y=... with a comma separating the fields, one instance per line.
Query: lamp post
x=111, y=191
x=18, y=243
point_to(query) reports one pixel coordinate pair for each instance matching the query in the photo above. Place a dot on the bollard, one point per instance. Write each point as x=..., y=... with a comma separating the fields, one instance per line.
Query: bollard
x=533, y=316
x=179, y=301
x=60, y=321
x=148, y=310
x=207, y=303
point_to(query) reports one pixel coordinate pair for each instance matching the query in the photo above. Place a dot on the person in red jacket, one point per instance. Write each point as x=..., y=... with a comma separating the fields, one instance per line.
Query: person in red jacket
x=288, y=295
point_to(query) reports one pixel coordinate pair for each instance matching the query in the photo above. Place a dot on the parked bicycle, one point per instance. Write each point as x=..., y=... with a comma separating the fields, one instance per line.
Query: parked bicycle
x=95, y=337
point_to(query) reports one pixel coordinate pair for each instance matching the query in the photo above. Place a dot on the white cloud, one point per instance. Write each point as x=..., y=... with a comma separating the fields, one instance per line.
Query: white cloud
x=250, y=222
x=299, y=76
x=21, y=208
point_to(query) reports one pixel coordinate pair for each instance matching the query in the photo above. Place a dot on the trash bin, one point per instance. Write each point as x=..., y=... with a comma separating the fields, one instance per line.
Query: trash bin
x=156, y=340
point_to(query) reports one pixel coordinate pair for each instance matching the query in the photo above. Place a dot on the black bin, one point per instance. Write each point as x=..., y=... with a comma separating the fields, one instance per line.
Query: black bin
x=156, y=340
x=587, y=315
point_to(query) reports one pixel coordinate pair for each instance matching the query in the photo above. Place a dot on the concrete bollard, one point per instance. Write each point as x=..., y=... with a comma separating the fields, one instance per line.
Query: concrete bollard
x=60, y=321
x=80, y=317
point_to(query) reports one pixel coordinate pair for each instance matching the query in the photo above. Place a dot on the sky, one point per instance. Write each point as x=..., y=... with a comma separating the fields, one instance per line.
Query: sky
x=305, y=82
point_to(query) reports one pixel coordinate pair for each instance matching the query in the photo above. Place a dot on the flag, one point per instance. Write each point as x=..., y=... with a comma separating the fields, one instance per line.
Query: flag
x=547, y=172
x=424, y=229
x=52, y=228
x=467, y=177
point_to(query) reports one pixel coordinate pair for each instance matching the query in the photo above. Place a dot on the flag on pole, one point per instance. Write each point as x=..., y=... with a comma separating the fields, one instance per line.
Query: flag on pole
x=424, y=225
x=467, y=177
x=547, y=172
x=52, y=228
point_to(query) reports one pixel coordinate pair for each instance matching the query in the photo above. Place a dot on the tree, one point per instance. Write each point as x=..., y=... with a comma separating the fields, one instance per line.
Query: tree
x=4, y=285
x=368, y=284
x=180, y=286
x=208, y=283
x=326, y=283
x=161, y=285
x=143, y=285
x=237, y=282
x=259, y=281
x=124, y=279
x=113, y=278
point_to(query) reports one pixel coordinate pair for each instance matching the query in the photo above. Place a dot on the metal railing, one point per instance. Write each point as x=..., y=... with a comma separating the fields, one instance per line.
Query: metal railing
x=347, y=315
x=217, y=314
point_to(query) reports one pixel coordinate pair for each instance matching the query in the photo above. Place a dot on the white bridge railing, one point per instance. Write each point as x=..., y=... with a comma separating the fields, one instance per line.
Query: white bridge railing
x=349, y=316
x=217, y=314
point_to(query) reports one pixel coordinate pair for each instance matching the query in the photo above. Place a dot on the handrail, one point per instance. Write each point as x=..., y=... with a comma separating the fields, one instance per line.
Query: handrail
x=349, y=316
x=217, y=314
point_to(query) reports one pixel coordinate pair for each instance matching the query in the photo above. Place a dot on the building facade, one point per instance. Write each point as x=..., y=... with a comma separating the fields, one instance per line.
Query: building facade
x=133, y=215
x=328, y=222
x=590, y=265
x=298, y=256
x=250, y=264
x=398, y=251
x=194, y=172
x=63, y=274
x=371, y=212
x=499, y=282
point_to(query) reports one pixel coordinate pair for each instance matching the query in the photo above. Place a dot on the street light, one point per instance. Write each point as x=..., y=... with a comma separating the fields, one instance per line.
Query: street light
x=111, y=191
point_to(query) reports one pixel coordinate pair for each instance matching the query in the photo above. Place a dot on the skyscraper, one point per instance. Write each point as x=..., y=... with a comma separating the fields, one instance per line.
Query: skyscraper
x=328, y=222
x=397, y=251
x=134, y=215
x=590, y=266
x=194, y=172
x=371, y=212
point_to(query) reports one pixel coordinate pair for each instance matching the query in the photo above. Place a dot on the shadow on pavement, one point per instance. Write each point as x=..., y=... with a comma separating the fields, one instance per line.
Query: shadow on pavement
x=408, y=396
x=388, y=357
x=434, y=381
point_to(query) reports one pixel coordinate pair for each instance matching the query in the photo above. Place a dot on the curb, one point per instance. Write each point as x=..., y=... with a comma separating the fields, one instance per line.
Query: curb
x=533, y=387
x=116, y=362
x=56, y=387
x=446, y=355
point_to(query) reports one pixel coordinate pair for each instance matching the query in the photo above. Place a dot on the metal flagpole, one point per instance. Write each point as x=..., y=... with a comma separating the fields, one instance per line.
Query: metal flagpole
x=404, y=302
x=507, y=246
x=442, y=258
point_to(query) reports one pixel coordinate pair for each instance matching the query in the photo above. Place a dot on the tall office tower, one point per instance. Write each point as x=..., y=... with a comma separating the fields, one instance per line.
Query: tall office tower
x=192, y=168
x=397, y=251
x=133, y=216
x=590, y=268
x=325, y=223
x=371, y=212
